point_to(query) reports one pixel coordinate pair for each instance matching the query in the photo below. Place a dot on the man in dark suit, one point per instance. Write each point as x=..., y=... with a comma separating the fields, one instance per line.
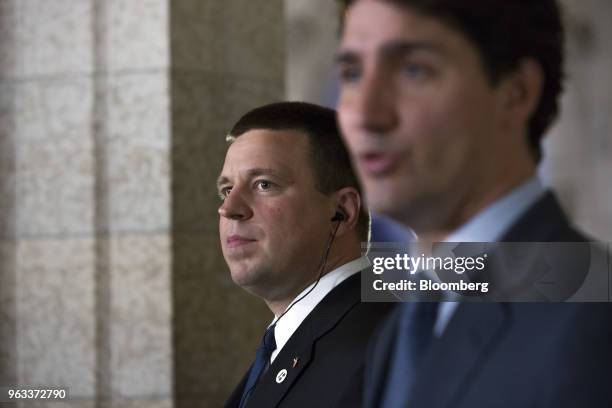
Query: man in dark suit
x=291, y=226
x=443, y=105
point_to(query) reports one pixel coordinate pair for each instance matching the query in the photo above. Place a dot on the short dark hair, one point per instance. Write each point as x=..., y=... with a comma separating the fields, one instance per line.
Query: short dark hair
x=504, y=32
x=328, y=156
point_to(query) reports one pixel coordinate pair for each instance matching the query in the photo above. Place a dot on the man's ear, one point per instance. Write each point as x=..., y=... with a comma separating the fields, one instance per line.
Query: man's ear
x=522, y=93
x=348, y=203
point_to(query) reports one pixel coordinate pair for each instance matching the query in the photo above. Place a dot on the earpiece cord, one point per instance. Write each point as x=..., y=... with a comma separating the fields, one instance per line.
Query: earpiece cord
x=321, y=269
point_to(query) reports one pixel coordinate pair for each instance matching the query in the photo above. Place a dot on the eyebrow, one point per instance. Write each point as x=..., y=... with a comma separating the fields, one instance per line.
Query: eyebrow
x=252, y=173
x=391, y=49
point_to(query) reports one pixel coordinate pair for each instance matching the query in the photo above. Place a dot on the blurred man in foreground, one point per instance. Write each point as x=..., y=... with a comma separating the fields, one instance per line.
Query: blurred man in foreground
x=443, y=105
x=291, y=227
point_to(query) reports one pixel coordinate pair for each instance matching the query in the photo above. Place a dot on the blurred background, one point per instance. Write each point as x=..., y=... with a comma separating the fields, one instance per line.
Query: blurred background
x=112, y=122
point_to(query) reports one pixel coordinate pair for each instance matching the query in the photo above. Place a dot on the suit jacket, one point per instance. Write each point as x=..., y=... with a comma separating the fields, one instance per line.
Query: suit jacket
x=510, y=354
x=330, y=347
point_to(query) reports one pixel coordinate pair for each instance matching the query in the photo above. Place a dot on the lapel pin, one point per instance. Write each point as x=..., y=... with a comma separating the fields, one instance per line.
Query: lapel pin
x=295, y=362
x=280, y=377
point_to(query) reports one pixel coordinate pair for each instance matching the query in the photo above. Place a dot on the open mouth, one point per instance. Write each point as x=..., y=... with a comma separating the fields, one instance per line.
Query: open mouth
x=378, y=164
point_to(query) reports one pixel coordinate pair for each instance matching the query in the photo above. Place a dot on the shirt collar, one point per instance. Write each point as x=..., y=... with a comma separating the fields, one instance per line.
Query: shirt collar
x=490, y=224
x=288, y=324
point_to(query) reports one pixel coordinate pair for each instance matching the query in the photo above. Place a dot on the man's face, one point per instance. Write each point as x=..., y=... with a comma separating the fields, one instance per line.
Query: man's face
x=417, y=112
x=274, y=223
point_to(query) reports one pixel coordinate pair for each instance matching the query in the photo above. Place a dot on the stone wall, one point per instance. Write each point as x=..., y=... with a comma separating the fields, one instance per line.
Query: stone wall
x=112, y=124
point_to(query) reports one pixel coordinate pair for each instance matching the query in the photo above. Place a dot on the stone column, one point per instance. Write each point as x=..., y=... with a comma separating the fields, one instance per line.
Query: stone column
x=579, y=147
x=112, y=122
x=312, y=33
x=47, y=268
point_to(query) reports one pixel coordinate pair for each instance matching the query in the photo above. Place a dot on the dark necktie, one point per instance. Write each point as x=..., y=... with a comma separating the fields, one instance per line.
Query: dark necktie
x=262, y=358
x=414, y=337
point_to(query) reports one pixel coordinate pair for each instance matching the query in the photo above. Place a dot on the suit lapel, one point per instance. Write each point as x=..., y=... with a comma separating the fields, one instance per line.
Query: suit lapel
x=284, y=372
x=380, y=353
x=476, y=329
x=470, y=337
x=545, y=221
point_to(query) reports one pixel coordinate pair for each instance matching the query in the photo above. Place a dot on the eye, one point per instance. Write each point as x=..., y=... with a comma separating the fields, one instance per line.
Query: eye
x=417, y=71
x=263, y=185
x=349, y=73
x=224, y=192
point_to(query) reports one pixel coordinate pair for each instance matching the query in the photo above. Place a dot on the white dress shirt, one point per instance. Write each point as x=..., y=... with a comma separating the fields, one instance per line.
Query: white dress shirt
x=288, y=324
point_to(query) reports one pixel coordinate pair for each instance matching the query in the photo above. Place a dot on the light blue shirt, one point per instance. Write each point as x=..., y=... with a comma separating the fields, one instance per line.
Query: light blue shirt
x=489, y=226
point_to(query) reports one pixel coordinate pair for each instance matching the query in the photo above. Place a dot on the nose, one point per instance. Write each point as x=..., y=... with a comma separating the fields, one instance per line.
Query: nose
x=235, y=207
x=371, y=104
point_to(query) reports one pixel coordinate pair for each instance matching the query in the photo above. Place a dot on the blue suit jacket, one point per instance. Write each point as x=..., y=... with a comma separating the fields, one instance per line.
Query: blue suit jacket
x=510, y=354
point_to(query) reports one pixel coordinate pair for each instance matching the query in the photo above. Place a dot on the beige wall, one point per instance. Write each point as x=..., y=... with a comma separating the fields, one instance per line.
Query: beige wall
x=311, y=38
x=579, y=147
x=88, y=220
x=112, y=124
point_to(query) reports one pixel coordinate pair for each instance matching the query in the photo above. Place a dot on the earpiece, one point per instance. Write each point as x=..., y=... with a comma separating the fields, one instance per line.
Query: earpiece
x=338, y=216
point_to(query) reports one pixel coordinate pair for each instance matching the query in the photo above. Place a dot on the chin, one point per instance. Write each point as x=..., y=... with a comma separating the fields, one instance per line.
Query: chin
x=248, y=275
x=241, y=275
